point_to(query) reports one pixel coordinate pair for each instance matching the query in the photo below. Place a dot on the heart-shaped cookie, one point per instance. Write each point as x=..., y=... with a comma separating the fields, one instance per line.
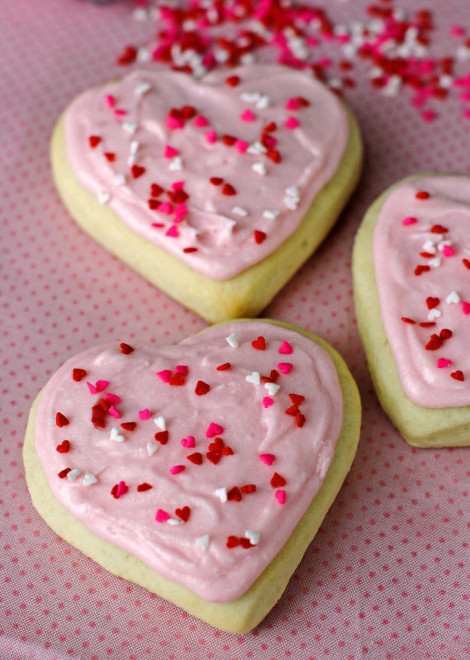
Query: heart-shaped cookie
x=412, y=290
x=207, y=496
x=216, y=190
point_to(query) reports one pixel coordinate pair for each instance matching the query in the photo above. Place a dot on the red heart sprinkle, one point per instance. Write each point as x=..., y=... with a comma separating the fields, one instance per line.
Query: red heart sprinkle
x=94, y=141
x=177, y=379
x=214, y=456
x=232, y=541
x=274, y=155
x=458, y=375
x=296, y=399
x=110, y=156
x=439, y=229
x=125, y=348
x=422, y=194
x=224, y=366
x=78, y=374
x=228, y=190
x=232, y=81
x=421, y=269
x=195, y=458
x=245, y=543
x=155, y=190
x=61, y=420
x=229, y=140
x=234, y=494
x=274, y=375
x=188, y=111
x=143, y=487
x=162, y=437
x=427, y=324
x=259, y=344
x=128, y=426
x=227, y=451
x=445, y=333
x=302, y=103
x=183, y=513
x=188, y=250
x=299, y=420
x=466, y=263
x=260, y=236
x=292, y=410
x=434, y=343
x=64, y=447
x=137, y=171
x=128, y=56
x=277, y=480
x=432, y=302
x=63, y=473
x=201, y=388
x=154, y=204
x=216, y=180
x=248, y=488
x=405, y=319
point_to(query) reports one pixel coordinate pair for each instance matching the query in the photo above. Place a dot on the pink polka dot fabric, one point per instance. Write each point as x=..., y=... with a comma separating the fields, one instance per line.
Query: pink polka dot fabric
x=388, y=575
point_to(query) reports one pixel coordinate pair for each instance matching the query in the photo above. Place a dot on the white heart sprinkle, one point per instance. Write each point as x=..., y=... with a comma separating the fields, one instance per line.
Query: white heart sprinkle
x=252, y=536
x=292, y=191
x=273, y=388
x=259, y=168
x=143, y=88
x=442, y=244
x=175, y=521
x=103, y=197
x=115, y=435
x=263, y=102
x=434, y=314
x=119, y=180
x=254, y=378
x=89, y=479
x=238, y=210
x=202, y=542
x=436, y=262
x=152, y=447
x=428, y=246
x=160, y=421
x=232, y=340
x=291, y=203
x=221, y=493
x=73, y=474
x=270, y=215
x=453, y=297
x=256, y=149
x=134, y=146
x=129, y=126
x=176, y=164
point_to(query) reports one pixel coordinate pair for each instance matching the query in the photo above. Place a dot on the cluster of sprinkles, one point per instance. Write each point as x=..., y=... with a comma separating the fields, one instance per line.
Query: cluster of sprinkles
x=171, y=202
x=437, y=247
x=271, y=389
x=391, y=46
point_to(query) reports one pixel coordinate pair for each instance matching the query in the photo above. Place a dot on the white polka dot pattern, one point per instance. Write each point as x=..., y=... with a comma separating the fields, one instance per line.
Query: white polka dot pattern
x=388, y=574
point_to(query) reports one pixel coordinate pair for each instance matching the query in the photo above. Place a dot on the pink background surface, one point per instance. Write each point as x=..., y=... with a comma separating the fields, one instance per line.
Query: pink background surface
x=388, y=575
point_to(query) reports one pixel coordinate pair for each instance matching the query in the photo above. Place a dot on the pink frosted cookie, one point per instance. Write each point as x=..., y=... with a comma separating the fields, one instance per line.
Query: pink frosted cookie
x=412, y=291
x=216, y=190
x=201, y=470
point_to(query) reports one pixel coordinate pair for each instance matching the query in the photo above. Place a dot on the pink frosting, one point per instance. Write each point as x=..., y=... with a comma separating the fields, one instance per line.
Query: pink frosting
x=187, y=418
x=433, y=232
x=134, y=123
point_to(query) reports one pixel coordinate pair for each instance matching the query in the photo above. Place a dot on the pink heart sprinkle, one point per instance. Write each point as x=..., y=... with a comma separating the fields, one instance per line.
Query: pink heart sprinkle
x=144, y=414
x=267, y=458
x=164, y=375
x=200, y=121
x=101, y=385
x=409, y=221
x=465, y=307
x=176, y=469
x=166, y=207
x=247, y=116
x=115, y=413
x=285, y=367
x=110, y=100
x=172, y=231
x=113, y=398
x=182, y=369
x=291, y=122
x=121, y=489
x=267, y=401
x=92, y=388
x=162, y=516
x=286, y=348
x=178, y=185
x=188, y=442
x=174, y=122
x=241, y=145
x=170, y=152
x=448, y=251
x=211, y=137
x=292, y=104
x=214, y=429
x=442, y=362
x=280, y=495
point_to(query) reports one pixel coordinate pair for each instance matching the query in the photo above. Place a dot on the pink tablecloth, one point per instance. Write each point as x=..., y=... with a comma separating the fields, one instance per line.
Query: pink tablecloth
x=388, y=575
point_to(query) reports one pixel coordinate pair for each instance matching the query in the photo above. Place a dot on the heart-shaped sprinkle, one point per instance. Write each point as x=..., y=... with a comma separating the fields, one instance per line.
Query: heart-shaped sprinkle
x=64, y=447
x=195, y=458
x=267, y=458
x=61, y=420
x=73, y=474
x=152, y=447
x=202, y=542
x=89, y=479
x=259, y=343
x=78, y=374
x=277, y=480
x=128, y=426
x=144, y=414
x=458, y=375
x=162, y=516
x=267, y=401
x=254, y=378
x=115, y=435
x=232, y=340
x=160, y=421
x=183, y=513
x=188, y=442
x=465, y=307
x=201, y=388
x=176, y=469
x=432, y=301
x=103, y=197
x=141, y=488
x=443, y=362
x=453, y=298
x=280, y=495
x=285, y=348
x=252, y=536
x=162, y=437
x=273, y=388
x=213, y=430
x=221, y=493
x=285, y=367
